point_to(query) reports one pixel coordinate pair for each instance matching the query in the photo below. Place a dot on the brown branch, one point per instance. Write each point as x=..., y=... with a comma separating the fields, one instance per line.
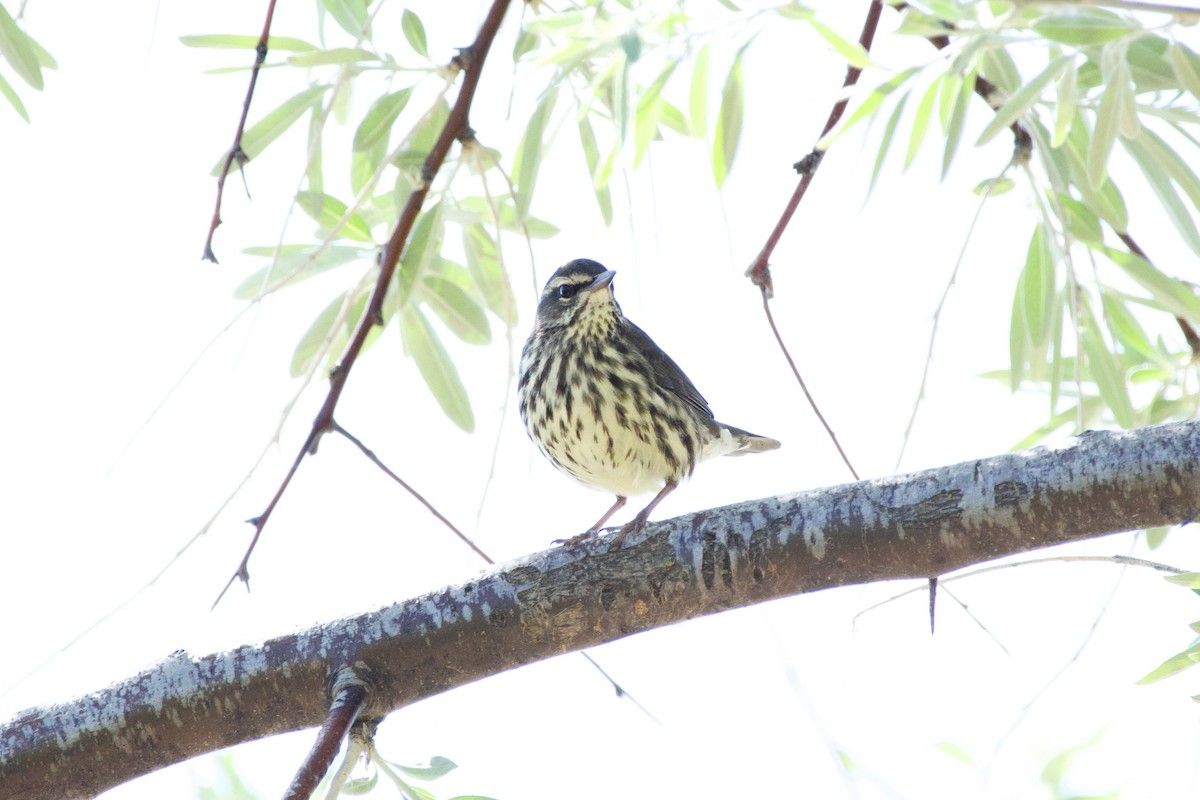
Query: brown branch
x=349, y=697
x=470, y=61
x=759, y=271
x=235, y=151
x=909, y=526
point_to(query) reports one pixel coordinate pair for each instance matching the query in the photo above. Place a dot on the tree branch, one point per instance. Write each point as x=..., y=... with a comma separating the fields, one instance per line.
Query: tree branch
x=909, y=526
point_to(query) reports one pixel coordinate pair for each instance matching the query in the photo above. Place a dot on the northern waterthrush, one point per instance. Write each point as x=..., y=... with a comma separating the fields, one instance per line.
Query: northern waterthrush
x=606, y=405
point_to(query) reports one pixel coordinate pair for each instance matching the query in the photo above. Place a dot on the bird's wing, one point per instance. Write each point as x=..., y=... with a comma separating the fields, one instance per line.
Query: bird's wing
x=667, y=372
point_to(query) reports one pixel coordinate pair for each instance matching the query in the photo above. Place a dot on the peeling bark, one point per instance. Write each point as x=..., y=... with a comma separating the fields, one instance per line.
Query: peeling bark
x=911, y=526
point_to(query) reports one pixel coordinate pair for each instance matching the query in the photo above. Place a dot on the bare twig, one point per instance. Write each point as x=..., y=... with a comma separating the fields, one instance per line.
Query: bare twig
x=235, y=150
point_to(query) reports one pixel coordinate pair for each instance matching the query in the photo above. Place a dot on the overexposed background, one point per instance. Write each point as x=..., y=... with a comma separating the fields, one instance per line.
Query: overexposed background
x=105, y=304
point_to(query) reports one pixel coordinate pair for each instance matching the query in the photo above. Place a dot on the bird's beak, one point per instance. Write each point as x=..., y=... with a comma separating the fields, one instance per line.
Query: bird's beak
x=601, y=281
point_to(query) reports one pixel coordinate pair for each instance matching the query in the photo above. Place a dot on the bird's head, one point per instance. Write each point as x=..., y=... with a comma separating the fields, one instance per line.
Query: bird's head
x=579, y=296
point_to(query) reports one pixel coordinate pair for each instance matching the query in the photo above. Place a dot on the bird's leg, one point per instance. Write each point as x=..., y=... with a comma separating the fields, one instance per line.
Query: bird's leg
x=595, y=528
x=638, y=522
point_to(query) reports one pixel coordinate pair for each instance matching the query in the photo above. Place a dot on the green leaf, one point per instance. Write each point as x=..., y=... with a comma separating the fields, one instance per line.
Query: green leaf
x=1081, y=224
x=1106, y=202
x=698, y=96
x=1018, y=338
x=1000, y=69
x=591, y=155
x=379, y=119
x=236, y=41
x=531, y=151
x=1064, y=105
x=1166, y=157
x=436, y=367
x=414, y=32
x=276, y=123
x=869, y=105
x=328, y=211
x=336, y=55
x=1083, y=26
x=1175, y=664
x=1186, y=66
x=457, y=309
x=921, y=120
x=297, y=262
x=853, y=52
x=438, y=766
x=1156, y=536
x=488, y=274
x=351, y=15
x=1038, y=287
x=1023, y=99
x=1127, y=330
x=1108, y=122
x=11, y=95
x=424, y=243
x=1190, y=580
x=994, y=187
x=729, y=120
x=886, y=142
x=1105, y=368
x=534, y=227
x=1161, y=184
x=319, y=331
x=1176, y=297
x=17, y=48
x=957, y=118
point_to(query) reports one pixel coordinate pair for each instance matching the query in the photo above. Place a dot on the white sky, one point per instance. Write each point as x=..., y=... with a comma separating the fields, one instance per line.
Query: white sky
x=106, y=201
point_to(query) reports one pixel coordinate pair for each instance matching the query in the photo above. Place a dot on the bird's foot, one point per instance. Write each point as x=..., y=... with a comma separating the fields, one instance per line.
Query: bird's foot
x=636, y=524
x=574, y=540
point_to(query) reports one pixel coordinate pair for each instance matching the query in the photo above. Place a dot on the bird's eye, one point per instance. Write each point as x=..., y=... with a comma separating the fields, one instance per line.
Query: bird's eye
x=567, y=291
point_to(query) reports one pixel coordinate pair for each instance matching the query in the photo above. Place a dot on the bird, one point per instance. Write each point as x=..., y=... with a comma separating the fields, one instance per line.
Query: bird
x=607, y=406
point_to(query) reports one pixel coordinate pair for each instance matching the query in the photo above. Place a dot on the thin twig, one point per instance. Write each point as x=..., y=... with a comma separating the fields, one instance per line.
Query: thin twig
x=1189, y=333
x=235, y=150
x=370, y=454
x=349, y=697
x=804, y=387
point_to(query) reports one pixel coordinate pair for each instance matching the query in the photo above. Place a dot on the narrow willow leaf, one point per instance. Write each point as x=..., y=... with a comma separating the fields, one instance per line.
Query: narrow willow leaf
x=1018, y=338
x=1104, y=367
x=477, y=208
x=1156, y=536
x=380, y=117
x=729, y=121
x=1037, y=287
x=1057, y=361
x=921, y=121
x=424, y=243
x=318, y=332
x=351, y=15
x=886, y=142
x=591, y=155
x=1184, y=64
x=327, y=211
x=438, y=766
x=314, y=173
x=1106, y=202
x=947, y=95
x=1171, y=162
x=531, y=151
x=869, y=105
x=296, y=263
x=1108, y=115
x=275, y=123
x=488, y=274
x=957, y=120
x=365, y=163
x=1081, y=224
x=671, y=117
x=11, y=95
x=1161, y=184
x=1064, y=104
x=456, y=309
x=1083, y=26
x=436, y=367
x=994, y=187
x=1176, y=297
x=1127, y=330
x=853, y=52
x=1190, y=580
x=1175, y=664
x=414, y=32
x=1023, y=99
x=698, y=96
x=1000, y=69
x=18, y=50
x=337, y=55
x=645, y=128
x=526, y=42
x=235, y=41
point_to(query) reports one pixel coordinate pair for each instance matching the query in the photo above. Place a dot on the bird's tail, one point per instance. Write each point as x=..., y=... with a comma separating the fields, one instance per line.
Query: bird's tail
x=745, y=442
